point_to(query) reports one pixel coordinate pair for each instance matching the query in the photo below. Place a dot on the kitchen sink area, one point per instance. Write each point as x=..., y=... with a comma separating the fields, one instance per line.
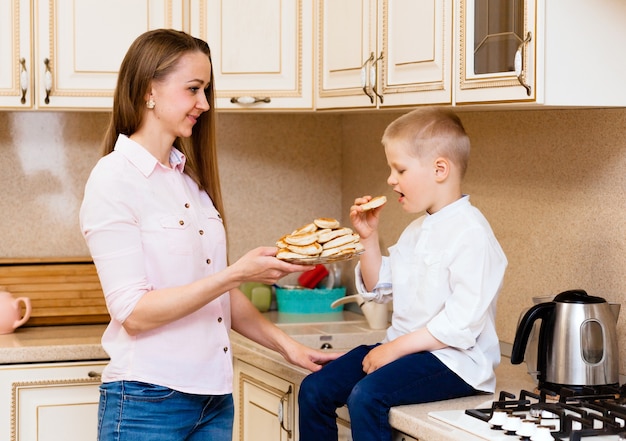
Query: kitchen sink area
x=333, y=335
x=343, y=332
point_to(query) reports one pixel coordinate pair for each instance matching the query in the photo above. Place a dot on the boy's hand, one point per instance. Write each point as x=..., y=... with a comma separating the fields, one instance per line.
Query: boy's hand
x=365, y=222
x=379, y=357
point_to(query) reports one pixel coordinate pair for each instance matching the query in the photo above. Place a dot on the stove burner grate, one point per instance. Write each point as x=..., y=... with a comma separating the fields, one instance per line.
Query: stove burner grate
x=571, y=414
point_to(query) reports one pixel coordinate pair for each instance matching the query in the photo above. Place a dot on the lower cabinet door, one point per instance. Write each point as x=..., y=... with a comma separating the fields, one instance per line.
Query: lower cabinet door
x=264, y=405
x=343, y=430
x=399, y=436
x=50, y=402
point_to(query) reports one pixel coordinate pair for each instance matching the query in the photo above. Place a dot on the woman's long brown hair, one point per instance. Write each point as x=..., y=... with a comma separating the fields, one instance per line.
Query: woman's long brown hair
x=152, y=56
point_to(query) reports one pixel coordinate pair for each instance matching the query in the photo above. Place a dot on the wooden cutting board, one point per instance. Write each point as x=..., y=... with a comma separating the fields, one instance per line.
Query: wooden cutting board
x=62, y=291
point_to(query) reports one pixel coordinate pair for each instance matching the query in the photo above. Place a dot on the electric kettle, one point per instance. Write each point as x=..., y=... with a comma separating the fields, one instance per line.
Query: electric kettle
x=577, y=344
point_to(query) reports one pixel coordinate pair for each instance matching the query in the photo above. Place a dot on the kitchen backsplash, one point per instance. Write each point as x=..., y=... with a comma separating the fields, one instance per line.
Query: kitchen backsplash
x=551, y=182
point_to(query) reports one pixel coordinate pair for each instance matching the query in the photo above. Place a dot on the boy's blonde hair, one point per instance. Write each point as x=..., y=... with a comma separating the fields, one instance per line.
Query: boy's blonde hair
x=431, y=132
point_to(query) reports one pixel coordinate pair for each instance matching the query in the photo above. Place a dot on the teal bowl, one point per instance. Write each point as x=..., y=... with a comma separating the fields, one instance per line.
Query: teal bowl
x=309, y=301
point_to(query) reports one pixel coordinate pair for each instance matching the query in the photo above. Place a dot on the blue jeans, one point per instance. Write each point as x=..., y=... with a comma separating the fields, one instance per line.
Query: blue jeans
x=412, y=379
x=131, y=411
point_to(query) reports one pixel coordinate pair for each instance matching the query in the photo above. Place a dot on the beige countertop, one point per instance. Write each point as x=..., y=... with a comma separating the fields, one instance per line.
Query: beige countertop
x=82, y=342
x=52, y=343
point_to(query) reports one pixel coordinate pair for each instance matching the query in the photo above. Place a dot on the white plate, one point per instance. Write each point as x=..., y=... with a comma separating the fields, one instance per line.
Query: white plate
x=315, y=260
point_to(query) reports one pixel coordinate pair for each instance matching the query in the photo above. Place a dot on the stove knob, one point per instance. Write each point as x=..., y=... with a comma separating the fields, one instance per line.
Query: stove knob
x=542, y=433
x=511, y=424
x=526, y=429
x=498, y=418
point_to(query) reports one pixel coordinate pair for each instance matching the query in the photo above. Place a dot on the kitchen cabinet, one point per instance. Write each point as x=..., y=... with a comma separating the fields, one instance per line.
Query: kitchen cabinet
x=65, y=54
x=381, y=53
x=399, y=436
x=262, y=51
x=265, y=405
x=15, y=51
x=50, y=401
x=557, y=52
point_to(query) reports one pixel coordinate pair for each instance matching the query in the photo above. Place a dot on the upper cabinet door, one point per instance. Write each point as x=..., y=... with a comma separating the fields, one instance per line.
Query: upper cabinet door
x=16, y=75
x=549, y=53
x=376, y=53
x=347, y=53
x=262, y=51
x=81, y=45
x=415, y=49
x=495, y=50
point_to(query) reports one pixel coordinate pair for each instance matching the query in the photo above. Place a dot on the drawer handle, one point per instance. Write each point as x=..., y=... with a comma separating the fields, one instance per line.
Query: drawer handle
x=47, y=80
x=95, y=375
x=374, y=79
x=520, y=64
x=366, y=83
x=250, y=100
x=281, y=412
x=23, y=80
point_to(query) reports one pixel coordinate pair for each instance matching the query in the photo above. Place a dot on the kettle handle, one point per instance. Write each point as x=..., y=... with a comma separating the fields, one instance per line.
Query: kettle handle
x=540, y=311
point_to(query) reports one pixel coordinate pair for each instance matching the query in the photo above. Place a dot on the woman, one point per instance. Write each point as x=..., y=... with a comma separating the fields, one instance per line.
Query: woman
x=151, y=219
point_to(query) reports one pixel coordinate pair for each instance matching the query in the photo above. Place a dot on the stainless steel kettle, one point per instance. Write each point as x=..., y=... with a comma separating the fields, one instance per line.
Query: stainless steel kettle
x=577, y=344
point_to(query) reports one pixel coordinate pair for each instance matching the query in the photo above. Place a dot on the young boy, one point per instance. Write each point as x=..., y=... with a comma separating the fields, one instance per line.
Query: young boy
x=444, y=273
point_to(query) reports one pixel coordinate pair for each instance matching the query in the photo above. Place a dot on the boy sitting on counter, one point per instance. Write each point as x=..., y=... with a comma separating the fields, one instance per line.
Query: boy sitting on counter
x=443, y=276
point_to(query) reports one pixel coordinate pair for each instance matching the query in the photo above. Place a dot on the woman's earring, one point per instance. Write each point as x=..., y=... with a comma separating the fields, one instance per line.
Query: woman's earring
x=150, y=103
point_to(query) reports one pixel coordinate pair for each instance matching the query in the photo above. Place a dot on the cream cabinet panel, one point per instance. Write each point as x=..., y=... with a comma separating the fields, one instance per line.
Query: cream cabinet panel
x=264, y=405
x=347, y=46
x=50, y=402
x=81, y=45
x=415, y=50
x=565, y=53
x=262, y=51
x=73, y=51
x=399, y=436
x=488, y=41
x=15, y=53
x=384, y=53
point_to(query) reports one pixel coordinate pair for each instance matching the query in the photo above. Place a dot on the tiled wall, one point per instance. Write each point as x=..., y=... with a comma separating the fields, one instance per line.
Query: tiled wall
x=553, y=186
x=551, y=182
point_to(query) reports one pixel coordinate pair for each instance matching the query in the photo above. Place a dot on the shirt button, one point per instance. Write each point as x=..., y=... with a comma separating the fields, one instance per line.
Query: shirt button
x=219, y=320
x=201, y=232
x=181, y=222
x=208, y=261
x=187, y=205
x=225, y=349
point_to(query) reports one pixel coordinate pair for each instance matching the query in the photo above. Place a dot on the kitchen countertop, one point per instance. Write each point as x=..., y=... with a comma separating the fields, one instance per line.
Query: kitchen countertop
x=82, y=342
x=52, y=343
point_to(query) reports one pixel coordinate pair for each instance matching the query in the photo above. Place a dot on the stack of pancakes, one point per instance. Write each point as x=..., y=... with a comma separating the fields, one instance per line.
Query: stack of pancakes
x=322, y=238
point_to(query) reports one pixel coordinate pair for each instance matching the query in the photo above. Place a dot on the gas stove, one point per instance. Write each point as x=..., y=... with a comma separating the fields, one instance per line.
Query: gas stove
x=597, y=413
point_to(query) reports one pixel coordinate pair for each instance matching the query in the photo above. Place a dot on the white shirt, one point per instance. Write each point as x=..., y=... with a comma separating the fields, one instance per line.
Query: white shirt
x=147, y=227
x=445, y=273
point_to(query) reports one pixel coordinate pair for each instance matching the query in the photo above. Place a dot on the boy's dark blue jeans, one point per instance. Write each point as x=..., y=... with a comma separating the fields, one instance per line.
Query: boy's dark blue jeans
x=415, y=378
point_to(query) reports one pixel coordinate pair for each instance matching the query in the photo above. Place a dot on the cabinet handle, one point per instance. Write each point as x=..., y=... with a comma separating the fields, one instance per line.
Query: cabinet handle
x=373, y=78
x=23, y=80
x=95, y=375
x=249, y=100
x=281, y=412
x=520, y=63
x=365, y=77
x=47, y=80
